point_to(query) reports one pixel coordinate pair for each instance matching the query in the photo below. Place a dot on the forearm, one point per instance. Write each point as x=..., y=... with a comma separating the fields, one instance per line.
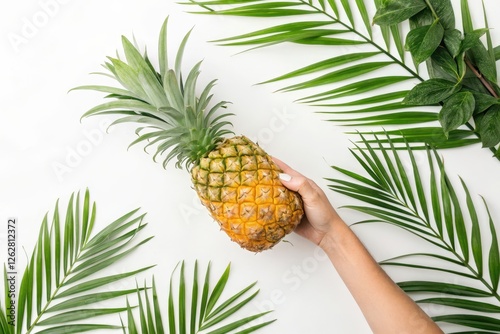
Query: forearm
x=386, y=307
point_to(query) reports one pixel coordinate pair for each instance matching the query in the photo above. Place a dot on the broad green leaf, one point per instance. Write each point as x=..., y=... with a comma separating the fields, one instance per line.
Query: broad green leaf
x=453, y=41
x=423, y=41
x=483, y=61
x=445, y=62
x=456, y=111
x=431, y=91
x=445, y=13
x=423, y=18
x=488, y=126
x=497, y=52
x=472, y=38
x=394, y=11
x=483, y=101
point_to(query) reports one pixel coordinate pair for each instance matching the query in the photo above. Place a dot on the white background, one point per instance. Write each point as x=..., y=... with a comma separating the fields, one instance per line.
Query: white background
x=40, y=131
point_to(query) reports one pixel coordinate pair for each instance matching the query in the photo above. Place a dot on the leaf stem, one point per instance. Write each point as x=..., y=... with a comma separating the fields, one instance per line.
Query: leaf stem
x=52, y=297
x=402, y=64
x=365, y=38
x=432, y=9
x=483, y=80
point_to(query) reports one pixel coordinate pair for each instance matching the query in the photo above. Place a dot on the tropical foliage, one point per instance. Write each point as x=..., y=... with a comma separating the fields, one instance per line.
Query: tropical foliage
x=202, y=313
x=458, y=99
x=64, y=286
x=443, y=215
x=61, y=288
x=461, y=71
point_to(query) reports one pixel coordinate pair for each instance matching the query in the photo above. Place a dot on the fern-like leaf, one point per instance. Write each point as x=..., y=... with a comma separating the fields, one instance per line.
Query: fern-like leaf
x=59, y=290
x=442, y=214
x=205, y=311
x=332, y=24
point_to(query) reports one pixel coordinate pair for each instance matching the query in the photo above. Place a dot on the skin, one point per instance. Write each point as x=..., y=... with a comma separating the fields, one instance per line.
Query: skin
x=387, y=308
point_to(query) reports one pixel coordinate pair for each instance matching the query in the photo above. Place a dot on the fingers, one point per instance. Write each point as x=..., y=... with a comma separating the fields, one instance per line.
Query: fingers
x=286, y=169
x=295, y=181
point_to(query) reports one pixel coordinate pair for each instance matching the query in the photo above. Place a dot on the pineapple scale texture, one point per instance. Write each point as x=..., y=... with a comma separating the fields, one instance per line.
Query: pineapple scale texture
x=239, y=184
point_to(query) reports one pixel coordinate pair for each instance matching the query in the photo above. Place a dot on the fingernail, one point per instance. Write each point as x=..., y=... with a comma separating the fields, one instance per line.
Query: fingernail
x=285, y=177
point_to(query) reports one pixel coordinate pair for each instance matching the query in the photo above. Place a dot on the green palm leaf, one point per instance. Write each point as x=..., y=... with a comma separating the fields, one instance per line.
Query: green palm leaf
x=442, y=214
x=203, y=312
x=56, y=293
x=456, y=58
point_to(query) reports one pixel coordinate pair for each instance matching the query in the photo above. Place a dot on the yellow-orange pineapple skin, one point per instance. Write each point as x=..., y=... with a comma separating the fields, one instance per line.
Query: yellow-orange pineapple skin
x=239, y=184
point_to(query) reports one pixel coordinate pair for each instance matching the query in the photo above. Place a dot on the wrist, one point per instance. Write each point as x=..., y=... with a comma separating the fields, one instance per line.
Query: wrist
x=336, y=233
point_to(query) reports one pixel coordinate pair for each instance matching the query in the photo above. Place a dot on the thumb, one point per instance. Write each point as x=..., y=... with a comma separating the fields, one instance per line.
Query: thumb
x=299, y=183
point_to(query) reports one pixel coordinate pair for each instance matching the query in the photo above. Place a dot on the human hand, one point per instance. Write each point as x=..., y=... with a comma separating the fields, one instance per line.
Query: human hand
x=320, y=216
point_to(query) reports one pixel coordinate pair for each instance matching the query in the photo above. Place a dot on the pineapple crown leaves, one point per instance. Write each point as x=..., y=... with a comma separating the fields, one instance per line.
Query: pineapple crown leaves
x=171, y=116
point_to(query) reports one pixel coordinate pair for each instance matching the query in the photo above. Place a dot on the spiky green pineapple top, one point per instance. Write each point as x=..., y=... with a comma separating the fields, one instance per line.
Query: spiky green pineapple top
x=172, y=116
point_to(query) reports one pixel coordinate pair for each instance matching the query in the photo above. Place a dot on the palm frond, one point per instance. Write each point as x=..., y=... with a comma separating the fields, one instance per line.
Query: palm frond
x=432, y=39
x=61, y=288
x=203, y=312
x=439, y=212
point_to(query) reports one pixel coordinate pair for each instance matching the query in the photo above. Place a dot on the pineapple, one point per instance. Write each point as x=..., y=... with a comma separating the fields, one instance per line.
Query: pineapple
x=234, y=178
